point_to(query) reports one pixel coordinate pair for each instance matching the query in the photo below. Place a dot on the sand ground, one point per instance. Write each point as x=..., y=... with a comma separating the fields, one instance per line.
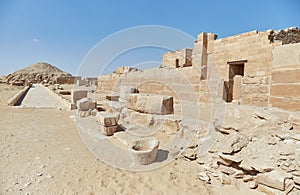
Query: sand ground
x=42, y=153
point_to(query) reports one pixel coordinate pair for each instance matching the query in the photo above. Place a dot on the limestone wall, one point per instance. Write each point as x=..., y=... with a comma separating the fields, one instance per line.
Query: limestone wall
x=255, y=50
x=285, y=74
x=270, y=75
x=192, y=96
x=67, y=80
x=182, y=83
x=176, y=59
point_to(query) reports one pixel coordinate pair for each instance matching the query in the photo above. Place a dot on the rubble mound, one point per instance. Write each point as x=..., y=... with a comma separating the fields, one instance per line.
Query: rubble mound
x=287, y=36
x=36, y=73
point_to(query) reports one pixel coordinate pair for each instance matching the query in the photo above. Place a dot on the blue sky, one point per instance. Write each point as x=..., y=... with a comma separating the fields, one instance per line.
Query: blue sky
x=63, y=32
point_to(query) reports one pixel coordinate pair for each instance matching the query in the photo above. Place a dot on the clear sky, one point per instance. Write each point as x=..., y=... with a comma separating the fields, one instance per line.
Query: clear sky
x=62, y=32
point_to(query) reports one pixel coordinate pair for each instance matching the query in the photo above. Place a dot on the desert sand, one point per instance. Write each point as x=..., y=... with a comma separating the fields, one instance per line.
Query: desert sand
x=41, y=152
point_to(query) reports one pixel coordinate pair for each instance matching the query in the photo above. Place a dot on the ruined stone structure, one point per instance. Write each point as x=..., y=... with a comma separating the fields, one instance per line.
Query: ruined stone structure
x=254, y=68
x=67, y=80
x=179, y=58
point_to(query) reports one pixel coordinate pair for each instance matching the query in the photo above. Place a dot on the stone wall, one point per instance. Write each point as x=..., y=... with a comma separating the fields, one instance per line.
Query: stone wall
x=192, y=96
x=67, y=80
x=252, y=50
x=179, y=58
x=182, y=83
x=285, y=74
x=254, y=68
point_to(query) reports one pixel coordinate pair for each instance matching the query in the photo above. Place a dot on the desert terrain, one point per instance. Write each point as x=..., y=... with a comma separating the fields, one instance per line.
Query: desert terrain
x=41, y=152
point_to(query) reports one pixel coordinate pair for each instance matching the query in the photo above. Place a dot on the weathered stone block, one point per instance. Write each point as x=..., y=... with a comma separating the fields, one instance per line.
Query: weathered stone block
x=234, y=143
x=285, y=103
x=107, y=119
x=249, y=80
x=274, y=179
x=109, y=130
x=73, y=106
x=78, y=94
x=286, y=55
x=237, y=82
x=125, y=90
x=112, y=97
x=85, y=104
x=151, y=104
x=286, y=76
x=285, y=90
x=140, y=118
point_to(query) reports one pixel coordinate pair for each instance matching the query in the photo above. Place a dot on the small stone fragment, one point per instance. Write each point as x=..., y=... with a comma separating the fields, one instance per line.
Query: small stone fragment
x=239, y=174
x=234, y=143
x=204, y=177
x=248, y=178
x=225, y=179
x=253, y=184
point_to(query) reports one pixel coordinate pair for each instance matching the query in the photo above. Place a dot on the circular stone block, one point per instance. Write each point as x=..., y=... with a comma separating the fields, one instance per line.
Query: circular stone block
x=143, y=151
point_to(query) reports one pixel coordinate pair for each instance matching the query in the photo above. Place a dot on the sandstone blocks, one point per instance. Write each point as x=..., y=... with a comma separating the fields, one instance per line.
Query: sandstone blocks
x=150, y=104
x=85, y=104
x=108, y=122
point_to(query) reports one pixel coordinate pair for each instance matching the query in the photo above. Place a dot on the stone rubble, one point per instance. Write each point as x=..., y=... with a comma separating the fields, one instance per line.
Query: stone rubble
x=267, y=159
x=263, y=152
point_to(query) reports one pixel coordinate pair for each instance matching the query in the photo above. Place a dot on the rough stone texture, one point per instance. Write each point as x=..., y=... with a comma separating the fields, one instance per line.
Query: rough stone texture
x=14, y=100
x=37, y=73
x=285, y=85
x=85, y=104
x=112, y=97
x=286, y=36
x=176, y=59
x=237, y=87
x=107, y=119
x=274, y=179
x=108, y=130
x=151, y=104
x=140, y=118
x=234, y=143
x=125, y=91
x=125, y=69
x=78, y=94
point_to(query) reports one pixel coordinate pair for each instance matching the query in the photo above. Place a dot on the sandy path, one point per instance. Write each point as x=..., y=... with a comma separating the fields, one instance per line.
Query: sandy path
x=39, y=97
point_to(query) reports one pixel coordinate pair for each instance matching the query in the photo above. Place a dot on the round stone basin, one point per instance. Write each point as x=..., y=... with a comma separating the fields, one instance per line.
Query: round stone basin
x=143, y=151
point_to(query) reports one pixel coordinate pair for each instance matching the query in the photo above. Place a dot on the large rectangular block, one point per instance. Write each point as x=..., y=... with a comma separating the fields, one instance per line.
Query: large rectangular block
x=151, y=104
x=112, y=97
x=107, y=119
x=85, y=104
x=78, y=94
x=109, y=130
x=286, y=90
x=286, y=55
x=125, y=90
x=285, y=103
x=286, y=76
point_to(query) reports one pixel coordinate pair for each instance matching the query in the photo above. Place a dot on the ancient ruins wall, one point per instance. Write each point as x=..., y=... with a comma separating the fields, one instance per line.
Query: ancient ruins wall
x=183, y=84
x=285, y=74
x=255, y=49
x=176, y=59
x=270, y=69
x=66, y=80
